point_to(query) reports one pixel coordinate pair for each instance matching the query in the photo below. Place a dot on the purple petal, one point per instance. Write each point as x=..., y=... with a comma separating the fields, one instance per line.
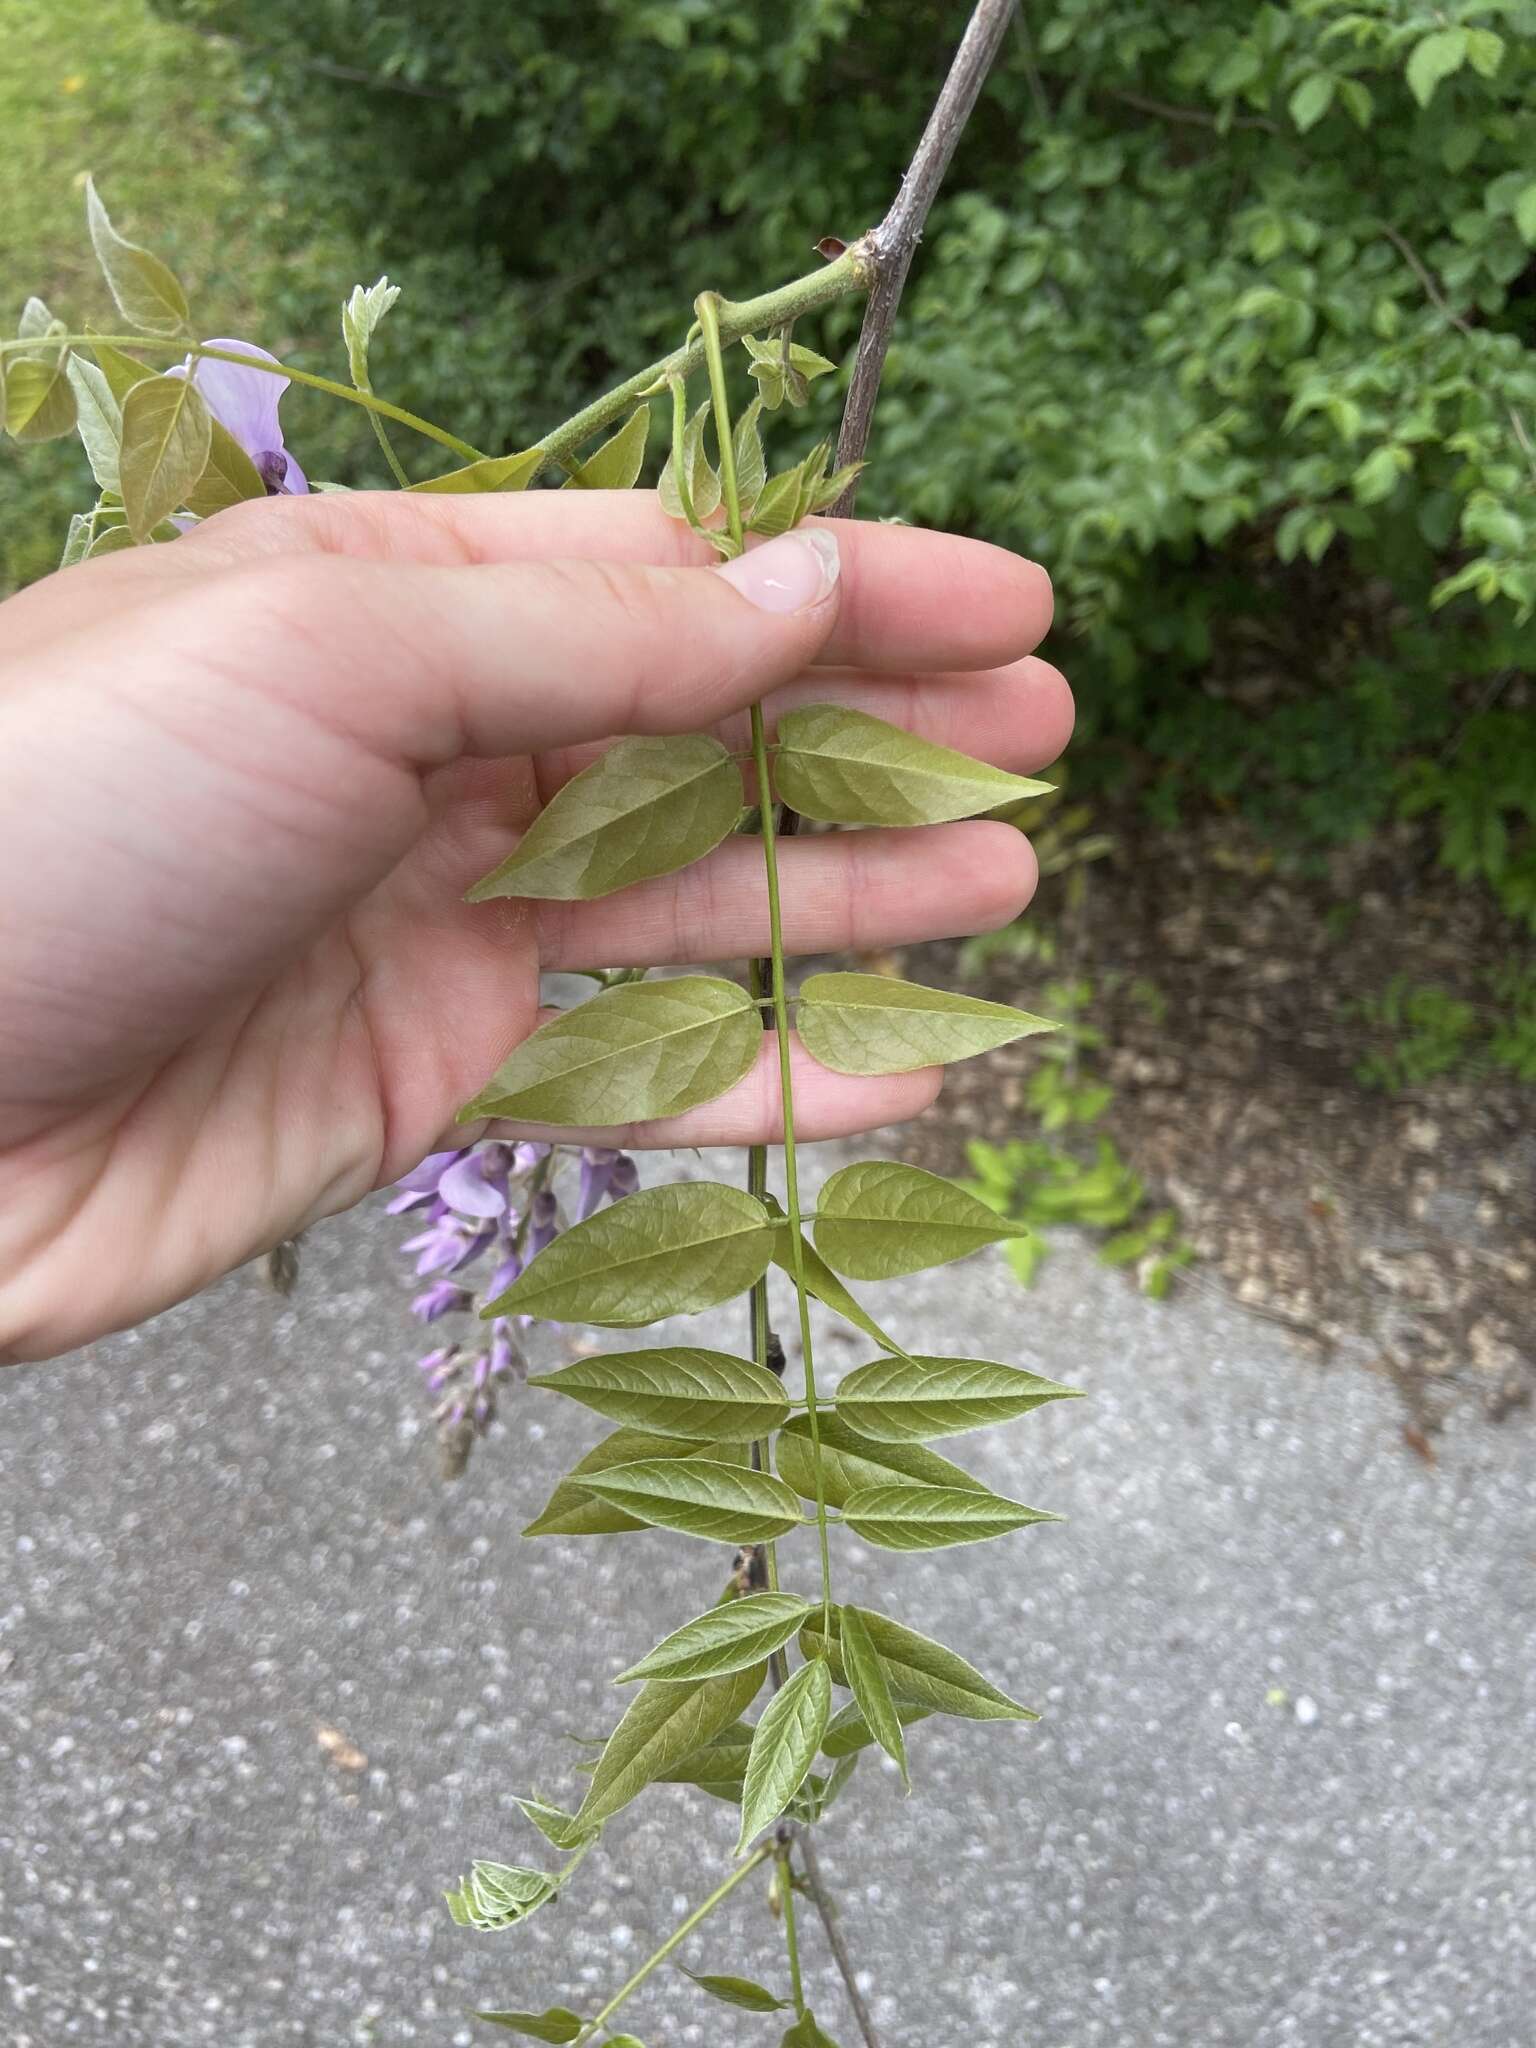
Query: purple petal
x=243, y=400
x=412, y=1198
x=440, y=1299
x=544, y=1223
x=626, y=1177
x=465, y=1187
x=423, y=1179
x=504, y=1275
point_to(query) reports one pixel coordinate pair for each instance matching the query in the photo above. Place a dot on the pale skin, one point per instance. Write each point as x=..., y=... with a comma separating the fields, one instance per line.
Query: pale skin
x=245, y=779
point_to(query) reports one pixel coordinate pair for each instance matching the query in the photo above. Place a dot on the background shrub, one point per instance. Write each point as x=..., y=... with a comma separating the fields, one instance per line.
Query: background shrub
x=1227, y=315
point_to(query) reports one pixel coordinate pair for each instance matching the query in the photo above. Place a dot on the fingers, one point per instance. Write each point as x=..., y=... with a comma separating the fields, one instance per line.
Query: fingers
x=424, y=665
x=851, y=891
x=911, y=599
x=826, y=1106
x=1018, y=717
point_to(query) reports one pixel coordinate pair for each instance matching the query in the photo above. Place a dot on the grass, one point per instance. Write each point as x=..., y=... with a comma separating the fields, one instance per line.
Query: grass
x=102, y=88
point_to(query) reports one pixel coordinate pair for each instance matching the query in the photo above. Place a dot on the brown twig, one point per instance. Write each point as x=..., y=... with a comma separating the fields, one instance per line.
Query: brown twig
x=893, y=244
x=820, y=1898
x=1193, y=117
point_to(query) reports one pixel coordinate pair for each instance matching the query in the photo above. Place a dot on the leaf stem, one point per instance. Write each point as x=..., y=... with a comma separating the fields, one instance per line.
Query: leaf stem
x=820, y=1898
x=845, y=278
x=176, y=346
x=791, y=1938
x=673, y=1942
x=389, y=454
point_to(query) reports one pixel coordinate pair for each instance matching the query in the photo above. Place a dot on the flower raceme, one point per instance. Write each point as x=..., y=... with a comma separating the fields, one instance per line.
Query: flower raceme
x=488, y=1198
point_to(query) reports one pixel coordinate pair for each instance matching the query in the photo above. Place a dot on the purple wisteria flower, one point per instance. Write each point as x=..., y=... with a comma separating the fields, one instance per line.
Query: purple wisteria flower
x=244, y=401
x=491, y=1198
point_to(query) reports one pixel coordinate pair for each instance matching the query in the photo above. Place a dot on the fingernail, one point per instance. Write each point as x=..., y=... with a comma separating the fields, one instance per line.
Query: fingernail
x=789, y=574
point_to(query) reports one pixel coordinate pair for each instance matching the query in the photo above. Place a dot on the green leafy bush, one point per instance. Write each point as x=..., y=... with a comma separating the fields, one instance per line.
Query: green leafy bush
x=1228, y=315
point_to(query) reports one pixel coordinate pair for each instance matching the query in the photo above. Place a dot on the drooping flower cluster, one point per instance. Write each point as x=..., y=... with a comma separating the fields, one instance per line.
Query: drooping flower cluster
x=493, y=1206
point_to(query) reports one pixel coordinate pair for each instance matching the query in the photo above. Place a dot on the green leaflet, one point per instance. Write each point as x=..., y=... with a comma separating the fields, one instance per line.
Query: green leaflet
x=643, y=1049
x=491, y=473
x=846, y=768
x=121, y=372
x=497, y=1895
x=99, y=419
x=784, y=370
x=229, y=477
x=848, y=1732
x=39, y=400
x=360, y=317
x=737, y=1991
x=700, y=1497
x=784, y=1748
x=677, y=1392
x=556, y=2023
x=147, y=291
x=919, y=1669
x=167, y=432
x=552, y=1822
x=718, y=1766
x=726, y=1638
x=904, y=1516
x=665, y=1722
x=871, y=1690
x=821, y=1789
x=805, y=2033
x=905, y=1400
x=872, y=1024
x=662, y=1252
x=572, y=1511
x=751, y=464
x=645, y=807
x=703, y=483
x=616, y=465
x=878, y=1219
x=821, y=1281
x=851, y=1463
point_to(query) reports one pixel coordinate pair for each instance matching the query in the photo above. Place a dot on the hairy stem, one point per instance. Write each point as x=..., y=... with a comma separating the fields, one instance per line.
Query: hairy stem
x=674, y=1941
x=382, y=436
x=893, y=244
x=173, y=345
x=845, y=278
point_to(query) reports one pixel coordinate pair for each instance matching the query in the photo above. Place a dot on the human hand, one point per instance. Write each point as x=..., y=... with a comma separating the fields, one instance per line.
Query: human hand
x=246, y=778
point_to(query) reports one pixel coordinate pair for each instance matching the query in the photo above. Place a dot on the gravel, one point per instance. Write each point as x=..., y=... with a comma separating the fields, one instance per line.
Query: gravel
x=267, y=1685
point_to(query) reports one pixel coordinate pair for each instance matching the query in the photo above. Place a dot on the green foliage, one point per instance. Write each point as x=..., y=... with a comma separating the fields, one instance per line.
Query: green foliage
x=644, y=1049
x=843, y=767
x=1433, y=1033
x=644, y=808
x=677, y=1392
x=879, y=1219
x=875, y=1024
x=784, y=1747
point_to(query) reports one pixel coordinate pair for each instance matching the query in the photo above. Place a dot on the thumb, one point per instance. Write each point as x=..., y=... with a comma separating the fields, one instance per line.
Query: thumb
x=501, y=658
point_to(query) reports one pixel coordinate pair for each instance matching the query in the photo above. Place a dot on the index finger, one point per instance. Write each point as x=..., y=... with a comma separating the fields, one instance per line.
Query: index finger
x=911, y=599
